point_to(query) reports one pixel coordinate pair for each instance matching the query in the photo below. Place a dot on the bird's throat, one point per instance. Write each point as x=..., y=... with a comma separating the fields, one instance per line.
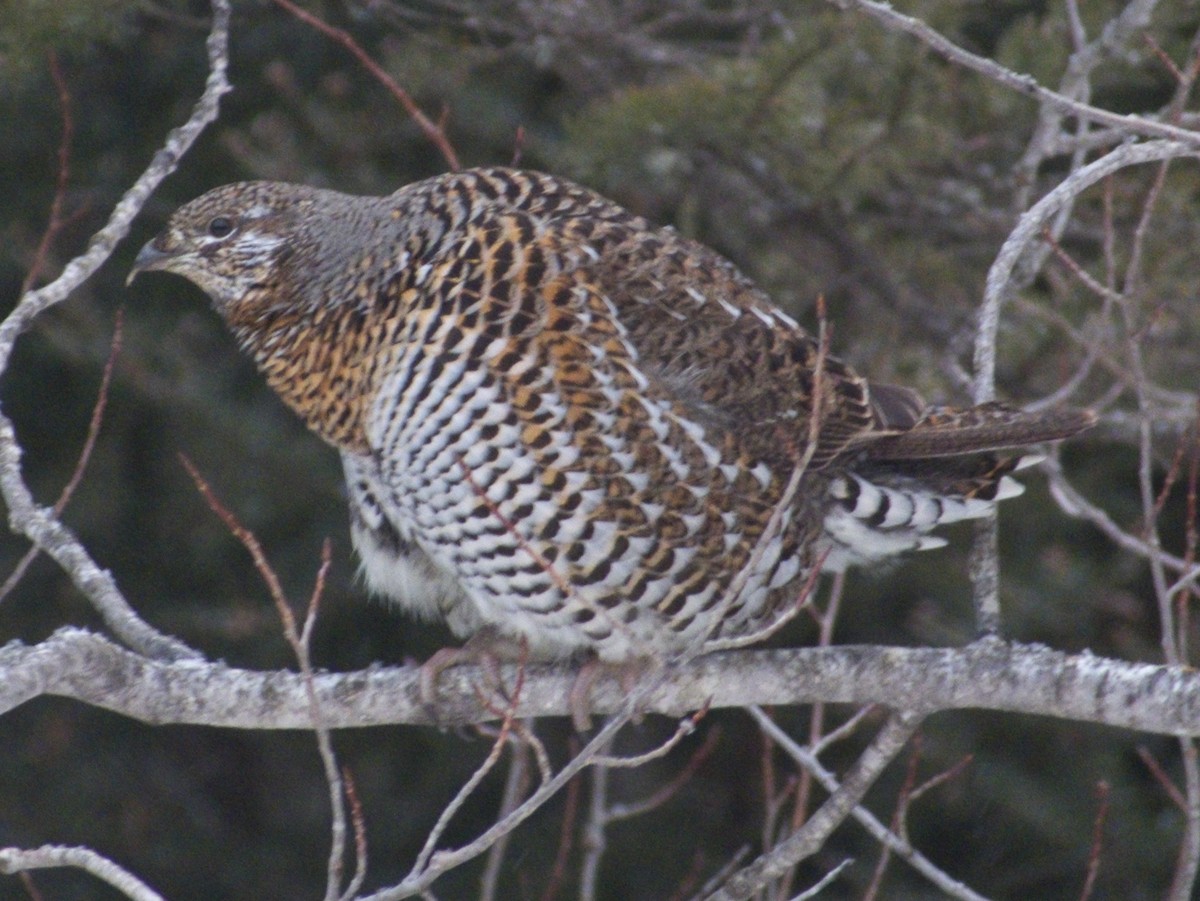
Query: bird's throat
x=317, y=362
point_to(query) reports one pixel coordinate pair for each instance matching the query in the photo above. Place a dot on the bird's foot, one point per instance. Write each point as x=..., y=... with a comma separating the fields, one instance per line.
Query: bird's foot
x=487, y=648
x=627, y=673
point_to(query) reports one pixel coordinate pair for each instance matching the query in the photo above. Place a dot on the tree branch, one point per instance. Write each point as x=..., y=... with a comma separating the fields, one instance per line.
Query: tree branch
x=17, y=860
x=809, y=839
x=39, y=524
x=988, y=674
x=1020, y=82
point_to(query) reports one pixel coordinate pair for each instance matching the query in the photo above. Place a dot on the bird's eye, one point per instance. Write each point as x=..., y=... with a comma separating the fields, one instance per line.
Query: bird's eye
x=220, y=226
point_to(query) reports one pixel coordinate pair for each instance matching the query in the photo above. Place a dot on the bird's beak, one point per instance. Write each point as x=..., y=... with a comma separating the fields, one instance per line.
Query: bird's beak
x=149, y=258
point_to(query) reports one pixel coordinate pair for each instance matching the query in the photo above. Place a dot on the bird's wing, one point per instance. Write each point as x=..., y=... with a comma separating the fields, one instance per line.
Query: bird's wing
x=727, y=354
x=730, y=357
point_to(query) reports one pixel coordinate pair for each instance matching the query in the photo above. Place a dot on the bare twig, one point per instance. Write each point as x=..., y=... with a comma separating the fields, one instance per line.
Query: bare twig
x=595, y=841
x=358, y=820
x=417, y=882
x=1073, y=503
x=808, y=840
x=879, y=832
x=1021, y=83
x=516, y=786
x=683, y=729
x=985, y=575
x=299, y=639
x=434, y=131
x=1160, y=776
x=1029, y=227
x=845, y=730
x=85, y=454
x=566, y=833
x=824, y=882
x=39, y=524
x=468, y=788
x=1093, y=863
x=899, y=819
x=16, y=860
x=826, y=620
x=55, y=221
x=667, y=791
x=1184, y=880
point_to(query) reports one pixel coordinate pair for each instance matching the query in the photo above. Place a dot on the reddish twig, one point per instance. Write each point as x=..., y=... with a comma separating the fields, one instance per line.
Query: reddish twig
x=56, y=221
x=359, y=822
x=1191, y=537
x=691, y=879
x=516, y=788
x=434, y=131
x=1162, y=778
x=1093, y=863
x=518, y=146
x=566, y=835
x=1162, y=56
x=668, y=791
x=684, y=728
x=85, y=454
x=299, y=639
x=941, y=778
x=249, y=541
x=770, y=778
x=899, y=816
x=825, y=619
x=30, y=887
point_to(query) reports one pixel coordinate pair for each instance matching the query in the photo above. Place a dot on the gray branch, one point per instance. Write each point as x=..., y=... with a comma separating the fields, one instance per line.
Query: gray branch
x=989, y=674
x=39, y=524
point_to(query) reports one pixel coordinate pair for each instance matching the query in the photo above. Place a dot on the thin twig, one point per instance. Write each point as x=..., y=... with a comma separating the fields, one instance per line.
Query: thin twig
x=683, y=729
x=434, y=131
x=888, y=742
x=1160, y=776
x=16, y=860
x=299, y=640
x=1072, y=502
x=358, y=820
x=878, y=831
x=595, y=840
x=85, y=453
x=465, y=792
x=39, y=524
x=899, y=819
x=566, y=833
x=665, y=792
x=1093, y=863
x=55, y=220
x=1023, y=84
x=824, y=882
x=516, y=785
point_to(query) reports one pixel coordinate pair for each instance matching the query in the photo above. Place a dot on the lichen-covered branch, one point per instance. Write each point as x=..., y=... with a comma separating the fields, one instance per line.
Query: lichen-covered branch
x=989, y=674
x=40, y=524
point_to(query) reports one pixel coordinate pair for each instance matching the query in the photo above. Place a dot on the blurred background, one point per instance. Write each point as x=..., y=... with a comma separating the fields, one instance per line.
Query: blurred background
x=823, y=155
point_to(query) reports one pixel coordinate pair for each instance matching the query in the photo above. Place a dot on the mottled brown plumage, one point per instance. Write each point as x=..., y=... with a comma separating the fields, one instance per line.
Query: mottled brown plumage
x=567, y=425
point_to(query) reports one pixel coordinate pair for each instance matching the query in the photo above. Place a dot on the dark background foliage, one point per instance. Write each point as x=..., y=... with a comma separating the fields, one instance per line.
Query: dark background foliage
x=821, y=153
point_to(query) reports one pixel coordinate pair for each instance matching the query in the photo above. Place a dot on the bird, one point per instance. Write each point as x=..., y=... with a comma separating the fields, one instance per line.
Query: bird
x=567, y=428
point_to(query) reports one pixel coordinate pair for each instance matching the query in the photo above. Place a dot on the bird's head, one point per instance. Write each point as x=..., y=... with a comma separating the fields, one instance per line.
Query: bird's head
x=230, y=240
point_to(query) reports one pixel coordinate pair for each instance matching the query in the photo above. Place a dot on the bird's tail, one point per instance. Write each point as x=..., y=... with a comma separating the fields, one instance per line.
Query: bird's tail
x=943, y=469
